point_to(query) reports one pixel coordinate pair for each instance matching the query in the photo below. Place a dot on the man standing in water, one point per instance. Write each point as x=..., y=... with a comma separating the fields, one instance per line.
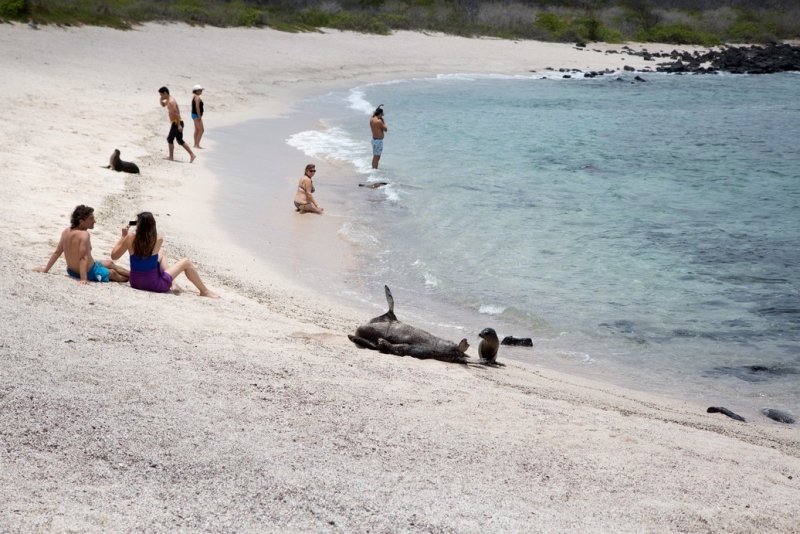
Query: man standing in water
x=378, y=127
x=176, y=124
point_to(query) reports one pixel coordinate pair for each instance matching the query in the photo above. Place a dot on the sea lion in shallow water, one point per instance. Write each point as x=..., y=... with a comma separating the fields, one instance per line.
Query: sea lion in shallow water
x=487, y=349
x=373, y=185
x=517, y=341
x=118, y=165
x=389, y=336
x=720, y=409
x=778, y=415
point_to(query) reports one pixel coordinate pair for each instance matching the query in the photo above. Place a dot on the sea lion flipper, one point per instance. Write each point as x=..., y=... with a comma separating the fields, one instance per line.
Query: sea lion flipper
x=463, y=346
x=390, y=314
x=361, y=342
x=725, y=411
x=389, y=297
x=398, y=349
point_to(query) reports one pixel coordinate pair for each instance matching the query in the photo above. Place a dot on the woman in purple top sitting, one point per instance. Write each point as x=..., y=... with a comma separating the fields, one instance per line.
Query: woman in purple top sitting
x=149, y=269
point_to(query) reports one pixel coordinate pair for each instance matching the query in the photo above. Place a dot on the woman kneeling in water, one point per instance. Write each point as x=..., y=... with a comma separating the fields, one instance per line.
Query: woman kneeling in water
x=149, y=269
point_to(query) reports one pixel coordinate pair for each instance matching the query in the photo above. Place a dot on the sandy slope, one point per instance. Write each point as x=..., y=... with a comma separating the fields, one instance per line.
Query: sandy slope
x=126, y=411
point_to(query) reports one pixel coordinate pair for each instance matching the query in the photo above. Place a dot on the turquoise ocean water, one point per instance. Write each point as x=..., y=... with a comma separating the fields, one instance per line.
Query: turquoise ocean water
x=646, y=233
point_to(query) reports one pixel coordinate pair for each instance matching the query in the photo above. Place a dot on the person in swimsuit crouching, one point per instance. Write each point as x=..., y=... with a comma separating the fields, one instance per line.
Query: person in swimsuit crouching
x=304, y=198
x=149, y=268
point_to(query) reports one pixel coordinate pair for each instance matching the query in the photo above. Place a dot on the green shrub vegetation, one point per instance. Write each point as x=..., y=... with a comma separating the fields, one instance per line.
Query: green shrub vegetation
x=612, y=21
x=677, y=34
x=551, y=22
x=12, y=8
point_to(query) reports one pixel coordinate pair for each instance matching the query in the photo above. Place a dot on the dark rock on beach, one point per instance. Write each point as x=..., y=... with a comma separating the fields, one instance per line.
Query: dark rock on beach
x=737, y=60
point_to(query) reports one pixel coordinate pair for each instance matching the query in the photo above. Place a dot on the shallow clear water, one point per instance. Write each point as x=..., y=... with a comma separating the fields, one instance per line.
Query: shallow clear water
x=644, y=232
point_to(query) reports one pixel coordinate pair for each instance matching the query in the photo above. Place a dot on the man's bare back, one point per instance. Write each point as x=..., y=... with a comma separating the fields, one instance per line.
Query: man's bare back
x=76, y=246
x=378, y=126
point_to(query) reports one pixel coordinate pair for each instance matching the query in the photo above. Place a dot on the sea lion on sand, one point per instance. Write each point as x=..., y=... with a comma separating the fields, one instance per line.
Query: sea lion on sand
x=118, y=165
x=778, y=415
x=389, y=336
x=517, y=341
x=720, y=409
x=488, y=347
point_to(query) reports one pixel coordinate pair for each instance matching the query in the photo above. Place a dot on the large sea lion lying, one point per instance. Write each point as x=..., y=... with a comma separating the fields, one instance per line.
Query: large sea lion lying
x=388, y=335
x=118, y=165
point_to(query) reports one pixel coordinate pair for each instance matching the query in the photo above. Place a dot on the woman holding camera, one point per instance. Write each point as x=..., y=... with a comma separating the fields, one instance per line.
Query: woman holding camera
x=149, y=269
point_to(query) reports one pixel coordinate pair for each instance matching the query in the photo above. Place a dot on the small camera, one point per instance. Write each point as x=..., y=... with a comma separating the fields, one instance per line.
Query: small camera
x=131, y=223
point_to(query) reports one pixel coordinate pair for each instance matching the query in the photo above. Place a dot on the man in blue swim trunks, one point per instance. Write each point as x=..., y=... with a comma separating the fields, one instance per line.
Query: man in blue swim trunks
x=378, y=127
x=76, y=246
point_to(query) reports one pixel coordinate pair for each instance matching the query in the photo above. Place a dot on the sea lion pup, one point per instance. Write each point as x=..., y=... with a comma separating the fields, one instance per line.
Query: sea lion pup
x=373, y=185
x=118, y=165
x=720, y=409
x=778, y=415
x=487, y=349
x=389, y=336
x=517, y=341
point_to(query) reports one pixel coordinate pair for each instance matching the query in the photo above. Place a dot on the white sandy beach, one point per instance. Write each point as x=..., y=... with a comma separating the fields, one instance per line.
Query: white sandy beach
x=126, y=411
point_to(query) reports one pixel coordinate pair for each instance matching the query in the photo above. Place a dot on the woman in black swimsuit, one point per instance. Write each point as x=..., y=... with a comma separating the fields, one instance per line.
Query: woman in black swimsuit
x=304, y=198
x=197, y=115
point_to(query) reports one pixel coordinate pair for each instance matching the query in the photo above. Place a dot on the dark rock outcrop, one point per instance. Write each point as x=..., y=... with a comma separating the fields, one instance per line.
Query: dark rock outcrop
x=737, y=60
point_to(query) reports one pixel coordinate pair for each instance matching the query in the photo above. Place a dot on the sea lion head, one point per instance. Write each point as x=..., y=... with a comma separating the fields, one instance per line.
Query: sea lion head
x=489, y=344
x=113, y=159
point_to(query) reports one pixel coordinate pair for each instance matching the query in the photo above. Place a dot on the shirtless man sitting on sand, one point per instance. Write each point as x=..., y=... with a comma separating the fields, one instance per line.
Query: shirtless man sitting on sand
x=76, y=246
